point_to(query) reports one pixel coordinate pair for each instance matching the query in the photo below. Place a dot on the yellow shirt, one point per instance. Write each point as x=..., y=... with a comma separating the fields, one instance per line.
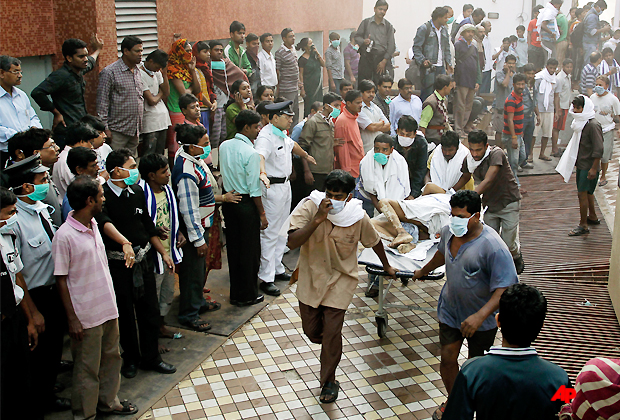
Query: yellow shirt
x=328, y=260
x=468, y=186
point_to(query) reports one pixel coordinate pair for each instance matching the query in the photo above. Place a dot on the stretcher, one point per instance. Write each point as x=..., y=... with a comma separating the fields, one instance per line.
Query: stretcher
x=405, y=267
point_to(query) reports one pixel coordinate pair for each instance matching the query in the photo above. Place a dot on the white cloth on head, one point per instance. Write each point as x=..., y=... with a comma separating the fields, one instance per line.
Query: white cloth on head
x=431, y=210
x=547, y=85
x=472, y=163
x=569, y=157
x=389, y=181
x=549, y=12
x=444, y=173
x=614, y=79
x=611, y=43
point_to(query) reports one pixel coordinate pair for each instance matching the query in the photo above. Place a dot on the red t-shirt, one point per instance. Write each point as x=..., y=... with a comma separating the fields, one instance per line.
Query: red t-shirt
x=535, y=37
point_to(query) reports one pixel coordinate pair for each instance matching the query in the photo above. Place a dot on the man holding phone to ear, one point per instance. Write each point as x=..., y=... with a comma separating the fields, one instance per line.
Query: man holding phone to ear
x=328, y=226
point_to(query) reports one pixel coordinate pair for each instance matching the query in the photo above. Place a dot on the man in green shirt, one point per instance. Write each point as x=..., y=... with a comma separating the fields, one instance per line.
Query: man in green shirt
x=561, y=44
x=234, y=51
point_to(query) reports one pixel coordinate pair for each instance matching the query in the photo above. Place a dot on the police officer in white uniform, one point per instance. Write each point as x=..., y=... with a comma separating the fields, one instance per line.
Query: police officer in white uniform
x=34, y=231
x=276, y=149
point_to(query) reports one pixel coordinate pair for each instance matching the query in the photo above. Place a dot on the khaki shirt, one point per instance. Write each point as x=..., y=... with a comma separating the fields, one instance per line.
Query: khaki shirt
x=317, y=138
x=328, y=261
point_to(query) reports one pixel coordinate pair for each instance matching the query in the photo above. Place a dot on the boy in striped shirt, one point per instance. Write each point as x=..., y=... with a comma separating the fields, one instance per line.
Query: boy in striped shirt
x=512, y=135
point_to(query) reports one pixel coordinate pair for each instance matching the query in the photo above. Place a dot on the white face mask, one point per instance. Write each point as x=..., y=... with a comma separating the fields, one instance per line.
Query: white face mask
x=7, y=228
x=405, y=141
x=337, y=205
x=246, y=100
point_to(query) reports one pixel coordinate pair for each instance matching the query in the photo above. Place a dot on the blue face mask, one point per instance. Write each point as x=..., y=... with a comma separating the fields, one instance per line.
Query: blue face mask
x=134, y=174
x=388, y=100
x=600, y=90
x=39, y=193
x=206, y=151
x=335, y=112
x=218, y=65
x=275, y=130
x=356, y=47
x=458, y=225
x=450, y=20
x=336, y=43
x=381, y=158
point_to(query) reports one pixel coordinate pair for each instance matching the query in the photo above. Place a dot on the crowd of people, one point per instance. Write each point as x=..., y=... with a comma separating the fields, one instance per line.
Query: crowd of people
x=208, y=139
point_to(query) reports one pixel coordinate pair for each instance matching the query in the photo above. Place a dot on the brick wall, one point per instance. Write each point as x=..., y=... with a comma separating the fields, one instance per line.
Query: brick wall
x=27, y=27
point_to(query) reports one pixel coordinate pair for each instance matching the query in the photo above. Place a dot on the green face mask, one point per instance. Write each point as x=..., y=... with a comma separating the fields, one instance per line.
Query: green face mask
x=275, y=130
x=39, y=193
x=450, y=20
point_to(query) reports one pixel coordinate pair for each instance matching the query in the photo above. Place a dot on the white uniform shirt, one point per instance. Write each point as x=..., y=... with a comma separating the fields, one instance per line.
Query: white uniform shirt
x=61, y=174
x=369, y=115
x=13, y=263
x=267, y=64
x=277, y=152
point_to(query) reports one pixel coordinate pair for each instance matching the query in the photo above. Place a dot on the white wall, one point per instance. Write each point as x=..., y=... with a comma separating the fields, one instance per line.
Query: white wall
x=408, y=15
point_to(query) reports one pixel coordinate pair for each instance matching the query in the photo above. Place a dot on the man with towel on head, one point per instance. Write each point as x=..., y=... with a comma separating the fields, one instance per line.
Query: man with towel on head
x=383, y=174
x=547, y=27
x=328, y=226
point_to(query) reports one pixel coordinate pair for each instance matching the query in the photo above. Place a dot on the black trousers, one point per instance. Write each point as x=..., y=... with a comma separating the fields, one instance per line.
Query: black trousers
x=368, y=63
x=243, y=248
x=45, y=359
x=15, y=369
x=192, y=273
x=145, y=309
x=299, y=188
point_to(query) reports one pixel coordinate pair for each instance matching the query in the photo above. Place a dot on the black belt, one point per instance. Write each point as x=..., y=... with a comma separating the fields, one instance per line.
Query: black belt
x=274, y=180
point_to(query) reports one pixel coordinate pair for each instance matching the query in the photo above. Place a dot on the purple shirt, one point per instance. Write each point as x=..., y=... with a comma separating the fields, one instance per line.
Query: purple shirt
x=80, y=255
x=354, y=58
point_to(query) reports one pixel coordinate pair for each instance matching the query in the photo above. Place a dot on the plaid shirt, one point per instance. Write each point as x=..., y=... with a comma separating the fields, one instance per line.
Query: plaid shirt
x=120, y=102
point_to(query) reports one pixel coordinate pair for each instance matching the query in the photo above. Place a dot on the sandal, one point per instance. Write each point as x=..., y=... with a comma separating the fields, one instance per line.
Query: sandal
x=593, y=222
x=438, y=414
x=198, y=325
x=603, y=183
x=329, y=393
x=211, y=306
x=545, y=158
x=127, y=409
x=578, y=231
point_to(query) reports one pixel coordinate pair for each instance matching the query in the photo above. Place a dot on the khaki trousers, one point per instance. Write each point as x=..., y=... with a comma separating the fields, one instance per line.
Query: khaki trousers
x=560, y=50
x=323, y=325
x=120, y=140
x=462, y=107
x=96, y=371
x=506, y=223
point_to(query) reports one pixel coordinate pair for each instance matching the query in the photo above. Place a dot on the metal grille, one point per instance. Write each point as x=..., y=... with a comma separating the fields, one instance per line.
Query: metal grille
x=572, y=272
x=137, y=18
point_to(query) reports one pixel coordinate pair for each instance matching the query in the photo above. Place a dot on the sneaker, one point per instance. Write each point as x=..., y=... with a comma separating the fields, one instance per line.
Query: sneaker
x=519, y=264
x=519, y=169
x=528, y=165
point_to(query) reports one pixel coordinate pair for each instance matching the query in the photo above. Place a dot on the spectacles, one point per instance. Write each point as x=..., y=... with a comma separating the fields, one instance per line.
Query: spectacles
x=51, y=146
x=16, y=72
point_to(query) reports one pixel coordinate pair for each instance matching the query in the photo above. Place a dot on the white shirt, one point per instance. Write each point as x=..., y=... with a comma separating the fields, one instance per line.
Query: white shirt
x=277, y=152
x=440, y=53
x=61, y=174
x=563, y=87
x=488, y=54
x=399, y=107
x=102, y=154
x=13, y=263
x=267, y=65
x=369, y=115
x=606, y=107
x=156, y=118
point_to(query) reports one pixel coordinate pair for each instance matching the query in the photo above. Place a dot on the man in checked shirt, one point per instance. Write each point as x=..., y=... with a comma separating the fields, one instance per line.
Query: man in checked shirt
x=120, y=102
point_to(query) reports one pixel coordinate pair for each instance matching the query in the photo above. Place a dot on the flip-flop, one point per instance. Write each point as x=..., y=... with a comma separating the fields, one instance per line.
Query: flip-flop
x=211, y=306
x=197, y=325
x=545, y=158
x=329, y=393
x=593, y=222
x=127, y=409
x=603, y=183
x=578, y=231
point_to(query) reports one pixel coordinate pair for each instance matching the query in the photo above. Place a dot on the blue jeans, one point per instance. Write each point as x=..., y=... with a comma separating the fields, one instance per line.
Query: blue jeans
x=427, y=91
x=485, y=86
x=514, y=155
x=587, y=50
x=529, y=124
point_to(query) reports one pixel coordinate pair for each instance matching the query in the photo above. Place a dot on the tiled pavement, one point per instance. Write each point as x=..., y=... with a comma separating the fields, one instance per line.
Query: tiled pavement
x=269, y=370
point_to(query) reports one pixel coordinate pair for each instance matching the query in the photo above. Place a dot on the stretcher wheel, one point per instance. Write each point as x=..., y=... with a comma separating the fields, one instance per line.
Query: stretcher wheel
x=381, y=326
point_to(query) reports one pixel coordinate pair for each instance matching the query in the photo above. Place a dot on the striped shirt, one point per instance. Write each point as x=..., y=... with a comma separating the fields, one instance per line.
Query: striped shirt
x=334, y=62
x=588, y=78
x=514, y=104
x=120, y=102
x=286, y=65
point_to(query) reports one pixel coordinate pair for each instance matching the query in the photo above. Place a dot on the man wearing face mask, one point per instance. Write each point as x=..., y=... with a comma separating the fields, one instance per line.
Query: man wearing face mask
x=592, y=29
x=500, y=192
x=328, y=226
x=317, y=138
x=276, y=151
x=478, y=269
x=19, y=333
x=34, y=232
x=412, y=145
x=383, y=175
x=128, y=235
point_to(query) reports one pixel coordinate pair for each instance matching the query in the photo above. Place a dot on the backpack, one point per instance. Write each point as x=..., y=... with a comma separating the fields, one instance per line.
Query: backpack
x=576, y=38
